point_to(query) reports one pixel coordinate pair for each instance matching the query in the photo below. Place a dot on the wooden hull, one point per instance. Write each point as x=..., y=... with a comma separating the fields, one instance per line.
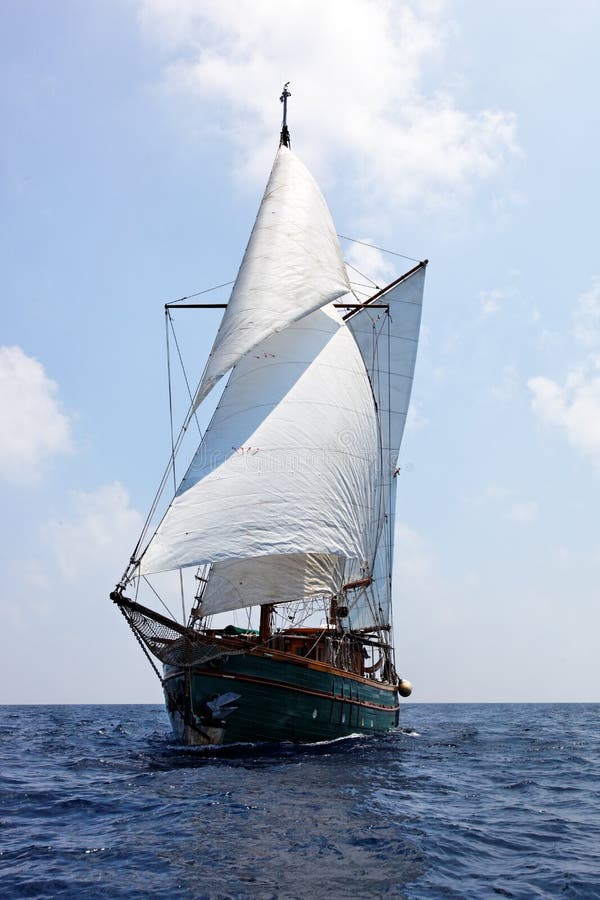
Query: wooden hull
x=274, y=697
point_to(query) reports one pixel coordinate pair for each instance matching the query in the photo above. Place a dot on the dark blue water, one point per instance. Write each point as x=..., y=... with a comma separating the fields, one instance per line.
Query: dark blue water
x=466, y=801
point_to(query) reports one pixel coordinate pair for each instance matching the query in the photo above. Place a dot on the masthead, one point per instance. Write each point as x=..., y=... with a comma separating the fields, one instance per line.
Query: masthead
x=285, y=134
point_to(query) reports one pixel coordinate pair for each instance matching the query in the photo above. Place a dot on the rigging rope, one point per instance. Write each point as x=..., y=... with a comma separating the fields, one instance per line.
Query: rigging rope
x=374, y=247
x=187, y=384
x=141, y=643
x=170, y=399
x=390, y=512
x=362, y=274
x=133, y=562
x=167, y=320
x=157, y=595
x=198, y=293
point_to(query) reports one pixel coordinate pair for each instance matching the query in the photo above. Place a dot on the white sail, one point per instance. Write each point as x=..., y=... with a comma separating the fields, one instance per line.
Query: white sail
x=290, y=463
x=370, y=606
x=236, y=583
x=388, y=342
x=292, y=266
x=391, y=373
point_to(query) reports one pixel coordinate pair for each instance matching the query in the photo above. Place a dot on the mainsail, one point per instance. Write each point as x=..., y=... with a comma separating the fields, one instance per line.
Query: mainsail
x=292, y=266
x=289, y=466
x=387, y=333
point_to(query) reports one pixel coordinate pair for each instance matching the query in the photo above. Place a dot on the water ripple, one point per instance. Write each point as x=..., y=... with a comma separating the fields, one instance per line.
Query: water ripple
x=461, y=801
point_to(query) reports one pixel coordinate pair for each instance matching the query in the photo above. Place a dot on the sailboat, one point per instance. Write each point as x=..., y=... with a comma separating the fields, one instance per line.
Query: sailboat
x=287, y=506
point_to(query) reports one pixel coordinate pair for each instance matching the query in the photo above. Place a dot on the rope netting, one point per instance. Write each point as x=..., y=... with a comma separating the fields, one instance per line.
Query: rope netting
x=173, y=644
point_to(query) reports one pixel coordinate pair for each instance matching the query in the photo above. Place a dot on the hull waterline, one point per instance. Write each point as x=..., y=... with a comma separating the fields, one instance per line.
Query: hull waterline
x=247, y=698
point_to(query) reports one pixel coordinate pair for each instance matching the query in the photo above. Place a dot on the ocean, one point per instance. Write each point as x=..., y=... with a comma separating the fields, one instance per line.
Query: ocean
x=465, y=801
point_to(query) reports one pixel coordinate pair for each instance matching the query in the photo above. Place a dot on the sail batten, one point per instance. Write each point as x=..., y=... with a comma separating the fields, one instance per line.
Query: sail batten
x=292, y=266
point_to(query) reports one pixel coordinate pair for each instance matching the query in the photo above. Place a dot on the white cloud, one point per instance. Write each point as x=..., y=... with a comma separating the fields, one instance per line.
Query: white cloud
x=362, y=91
x=574, y=407
x=32, y=426
x=80, y=643
x=97, y=535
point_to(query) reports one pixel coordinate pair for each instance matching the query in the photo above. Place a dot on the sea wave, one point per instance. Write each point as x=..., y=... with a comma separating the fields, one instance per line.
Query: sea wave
x=491, y=800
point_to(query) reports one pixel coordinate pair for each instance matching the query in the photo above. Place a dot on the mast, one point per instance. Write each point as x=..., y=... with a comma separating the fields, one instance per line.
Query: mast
x=266, y=615
x=284, y=139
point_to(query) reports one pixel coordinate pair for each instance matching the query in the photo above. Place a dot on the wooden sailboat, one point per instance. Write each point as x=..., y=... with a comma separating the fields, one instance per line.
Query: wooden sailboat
x=288, y=503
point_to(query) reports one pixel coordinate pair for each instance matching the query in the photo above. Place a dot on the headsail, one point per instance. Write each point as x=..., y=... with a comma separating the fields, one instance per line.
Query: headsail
x=290, y=463
x=292, y=266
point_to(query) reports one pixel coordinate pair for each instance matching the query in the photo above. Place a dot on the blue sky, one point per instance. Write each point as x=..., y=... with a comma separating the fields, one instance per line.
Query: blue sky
x=137, y=139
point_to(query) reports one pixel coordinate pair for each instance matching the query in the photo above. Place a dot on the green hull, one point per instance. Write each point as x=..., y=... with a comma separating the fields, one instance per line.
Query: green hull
x=259, y=698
